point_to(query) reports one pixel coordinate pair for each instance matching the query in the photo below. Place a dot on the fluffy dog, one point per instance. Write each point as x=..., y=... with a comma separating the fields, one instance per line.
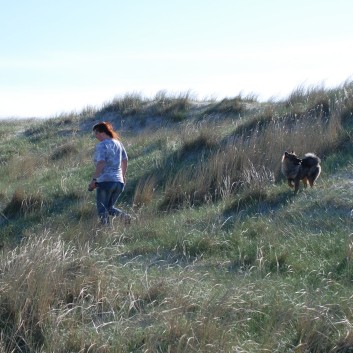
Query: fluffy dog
x=295, y=169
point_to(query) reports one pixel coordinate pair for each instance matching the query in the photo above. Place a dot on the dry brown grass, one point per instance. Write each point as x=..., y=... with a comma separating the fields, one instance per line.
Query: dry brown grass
x=144, y=191
x=24, y=166
x=249, y=160
x=24, y=204
x=64, y=151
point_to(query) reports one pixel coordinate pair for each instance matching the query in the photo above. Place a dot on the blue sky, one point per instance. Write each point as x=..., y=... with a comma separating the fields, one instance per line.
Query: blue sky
x=61, y=56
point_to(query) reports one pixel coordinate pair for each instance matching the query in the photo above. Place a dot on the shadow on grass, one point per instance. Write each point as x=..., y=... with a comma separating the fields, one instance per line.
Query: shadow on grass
x=254, y=202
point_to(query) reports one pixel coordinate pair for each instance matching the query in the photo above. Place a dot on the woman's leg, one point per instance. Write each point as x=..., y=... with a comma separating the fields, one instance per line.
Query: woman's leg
x=102, y=199
x=107, y=195
x=116, y=189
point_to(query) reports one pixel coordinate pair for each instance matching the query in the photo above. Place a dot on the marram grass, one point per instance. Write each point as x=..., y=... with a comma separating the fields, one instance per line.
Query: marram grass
x=221, y=255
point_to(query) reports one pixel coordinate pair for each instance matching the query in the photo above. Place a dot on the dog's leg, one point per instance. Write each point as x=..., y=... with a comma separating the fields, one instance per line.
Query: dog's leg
x=296, y=185
x=314, y=175
x=290, y=183
x=305, y=182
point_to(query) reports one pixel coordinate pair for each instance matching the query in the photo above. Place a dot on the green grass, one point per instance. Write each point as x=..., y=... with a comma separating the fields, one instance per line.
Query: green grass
x=221, y=255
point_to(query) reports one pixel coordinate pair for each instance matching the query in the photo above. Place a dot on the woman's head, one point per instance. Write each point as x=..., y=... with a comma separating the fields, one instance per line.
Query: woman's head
x=107, y=128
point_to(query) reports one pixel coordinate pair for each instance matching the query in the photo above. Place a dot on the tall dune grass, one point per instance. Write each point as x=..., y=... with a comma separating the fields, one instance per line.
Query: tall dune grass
x=58, y=296
x=250, y=159
x=221, y=256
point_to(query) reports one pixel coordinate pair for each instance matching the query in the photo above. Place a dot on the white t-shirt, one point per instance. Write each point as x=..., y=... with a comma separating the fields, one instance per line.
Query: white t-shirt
x=112, y=152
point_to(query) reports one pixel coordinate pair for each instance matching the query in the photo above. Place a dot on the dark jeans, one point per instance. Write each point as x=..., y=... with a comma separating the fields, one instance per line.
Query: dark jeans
x=108, y=193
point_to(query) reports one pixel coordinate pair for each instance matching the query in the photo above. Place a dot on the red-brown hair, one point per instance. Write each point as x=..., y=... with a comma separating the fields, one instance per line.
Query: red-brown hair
x=106, y=127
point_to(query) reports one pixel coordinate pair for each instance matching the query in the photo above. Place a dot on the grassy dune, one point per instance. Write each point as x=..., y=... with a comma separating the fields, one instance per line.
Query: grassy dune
x=221, y=256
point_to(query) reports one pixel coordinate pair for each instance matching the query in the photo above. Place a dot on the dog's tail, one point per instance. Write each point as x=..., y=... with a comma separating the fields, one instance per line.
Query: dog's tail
x=310, y=160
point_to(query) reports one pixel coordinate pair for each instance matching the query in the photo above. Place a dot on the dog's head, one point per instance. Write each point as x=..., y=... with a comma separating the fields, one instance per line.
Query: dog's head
x=291, y=157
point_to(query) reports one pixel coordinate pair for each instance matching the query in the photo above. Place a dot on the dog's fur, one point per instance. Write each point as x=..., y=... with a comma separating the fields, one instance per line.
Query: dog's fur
x=295, y=169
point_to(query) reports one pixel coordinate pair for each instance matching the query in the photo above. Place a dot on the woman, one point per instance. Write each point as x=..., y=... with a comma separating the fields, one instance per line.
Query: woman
x=110, y=159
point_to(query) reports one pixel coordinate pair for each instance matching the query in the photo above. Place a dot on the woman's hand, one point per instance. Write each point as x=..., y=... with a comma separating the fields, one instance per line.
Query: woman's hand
x=92, y=185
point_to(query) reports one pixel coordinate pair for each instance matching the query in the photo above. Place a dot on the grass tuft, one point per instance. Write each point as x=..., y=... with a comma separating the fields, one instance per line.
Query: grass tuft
x=172, y=106
x=129, y=105
x=23, y=204
x=227, y=106
x=64, y=151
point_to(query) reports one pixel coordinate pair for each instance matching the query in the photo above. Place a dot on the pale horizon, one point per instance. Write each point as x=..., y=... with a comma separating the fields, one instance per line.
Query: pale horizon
x=63, y=57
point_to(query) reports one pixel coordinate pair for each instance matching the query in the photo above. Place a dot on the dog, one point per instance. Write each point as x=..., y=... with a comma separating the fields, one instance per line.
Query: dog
x=295, y=169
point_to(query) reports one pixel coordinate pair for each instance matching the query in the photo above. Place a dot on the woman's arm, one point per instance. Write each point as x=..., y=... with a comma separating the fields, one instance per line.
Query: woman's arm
x=124, y=169
x=99, y=168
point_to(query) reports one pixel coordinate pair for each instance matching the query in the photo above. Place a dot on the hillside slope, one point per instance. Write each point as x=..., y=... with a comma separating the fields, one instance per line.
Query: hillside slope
x=222, y=256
